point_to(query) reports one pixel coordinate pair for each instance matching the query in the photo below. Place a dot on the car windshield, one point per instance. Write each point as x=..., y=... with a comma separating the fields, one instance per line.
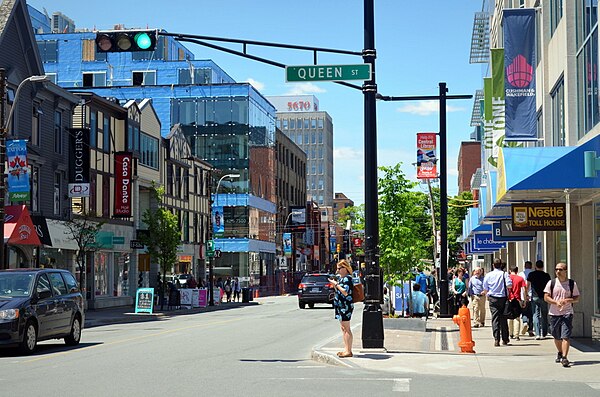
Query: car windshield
x=14, y=285
x=315, y=279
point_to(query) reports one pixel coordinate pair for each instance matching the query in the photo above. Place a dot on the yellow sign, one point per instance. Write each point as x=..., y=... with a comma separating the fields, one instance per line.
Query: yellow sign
x=539, y=216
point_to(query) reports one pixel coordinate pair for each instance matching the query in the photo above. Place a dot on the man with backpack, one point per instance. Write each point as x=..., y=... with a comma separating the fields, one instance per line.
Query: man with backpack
x=560, y=294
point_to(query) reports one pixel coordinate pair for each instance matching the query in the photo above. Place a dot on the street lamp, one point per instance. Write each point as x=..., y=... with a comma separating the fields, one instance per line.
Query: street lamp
x=211, y=298
x=4, y=127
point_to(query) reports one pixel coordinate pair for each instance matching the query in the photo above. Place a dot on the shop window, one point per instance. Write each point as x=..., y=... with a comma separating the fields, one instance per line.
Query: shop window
x=101, y=273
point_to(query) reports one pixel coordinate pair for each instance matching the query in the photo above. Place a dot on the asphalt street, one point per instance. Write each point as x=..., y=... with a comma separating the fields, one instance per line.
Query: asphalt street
x=259, y=350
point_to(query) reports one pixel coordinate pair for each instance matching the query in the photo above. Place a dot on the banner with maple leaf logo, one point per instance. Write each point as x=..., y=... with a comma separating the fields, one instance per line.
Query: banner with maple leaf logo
x=18, y=171
x=519, y=63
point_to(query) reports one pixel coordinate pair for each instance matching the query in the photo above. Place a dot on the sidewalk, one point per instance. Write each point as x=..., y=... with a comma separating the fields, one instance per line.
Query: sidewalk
x=126, y=314
x=436, y=351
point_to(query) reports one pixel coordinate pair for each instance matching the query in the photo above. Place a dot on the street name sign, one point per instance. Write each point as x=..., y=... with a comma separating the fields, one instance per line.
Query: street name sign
x=360, y=71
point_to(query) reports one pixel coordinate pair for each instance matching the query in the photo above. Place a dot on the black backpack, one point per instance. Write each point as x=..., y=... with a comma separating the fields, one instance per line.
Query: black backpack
x=553, y=283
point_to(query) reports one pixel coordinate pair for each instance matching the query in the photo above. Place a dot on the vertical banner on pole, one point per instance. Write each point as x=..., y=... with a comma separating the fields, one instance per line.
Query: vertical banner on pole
x=519, y=60
x=123, y=178
x=426, y=155
x=287, y=245
x=218, y=221
x=79, y=162
x=498, y=117
x=18, y=171
x=490, y=162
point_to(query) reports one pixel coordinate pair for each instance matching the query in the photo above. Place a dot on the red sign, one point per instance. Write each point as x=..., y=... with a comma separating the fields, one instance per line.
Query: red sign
x=357, y=242
x=426, y=158
x=123, y=173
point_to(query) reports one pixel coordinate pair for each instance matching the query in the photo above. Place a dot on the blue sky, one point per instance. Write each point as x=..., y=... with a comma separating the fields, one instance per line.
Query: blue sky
x=419, y=44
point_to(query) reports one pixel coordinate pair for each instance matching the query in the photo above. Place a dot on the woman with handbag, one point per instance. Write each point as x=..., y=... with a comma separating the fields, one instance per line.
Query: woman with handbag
x=459, y=290
x=343, y=304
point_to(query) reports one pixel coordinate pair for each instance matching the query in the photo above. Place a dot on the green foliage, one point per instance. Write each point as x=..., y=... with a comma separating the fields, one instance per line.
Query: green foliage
x=355, y=213
x=404, y=225
x=83, y=229
x=164, y=234
x=457, y=210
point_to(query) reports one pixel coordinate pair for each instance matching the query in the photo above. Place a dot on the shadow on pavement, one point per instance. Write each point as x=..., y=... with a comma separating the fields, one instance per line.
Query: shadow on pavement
x=373, y=356
x=578, y=363
x=275, y=360
x=44, y=348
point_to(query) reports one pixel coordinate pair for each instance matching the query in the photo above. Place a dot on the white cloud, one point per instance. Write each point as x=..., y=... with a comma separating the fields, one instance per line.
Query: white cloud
x=304, y=89
x=346, y=154
x=426, y=108
x=256, y=84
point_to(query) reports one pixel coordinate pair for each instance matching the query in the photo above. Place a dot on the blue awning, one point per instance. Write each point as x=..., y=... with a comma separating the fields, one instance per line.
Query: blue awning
x=544, y=173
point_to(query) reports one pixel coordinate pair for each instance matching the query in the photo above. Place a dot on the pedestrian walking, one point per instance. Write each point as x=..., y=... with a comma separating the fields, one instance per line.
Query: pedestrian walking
x=495, y=286
x=420, y=303
x=421, y=279
x=343, y=304
x=518, y=292
x=432, y=292
x=459, y=291
x=538, y=280
x=561, y=293
x=237, y=289
x=477, y=297
x=228, y=288
x=527, y=316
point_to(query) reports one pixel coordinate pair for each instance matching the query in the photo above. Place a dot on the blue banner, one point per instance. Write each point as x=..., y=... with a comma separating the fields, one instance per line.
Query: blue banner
x=519, y=77
x=485, y=242
x=18, y=171
x=287, y=244
x=218, y=221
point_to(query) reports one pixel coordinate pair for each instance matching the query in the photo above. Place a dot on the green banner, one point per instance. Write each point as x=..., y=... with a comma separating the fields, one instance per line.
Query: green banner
x=498, y=100
x=488, y=126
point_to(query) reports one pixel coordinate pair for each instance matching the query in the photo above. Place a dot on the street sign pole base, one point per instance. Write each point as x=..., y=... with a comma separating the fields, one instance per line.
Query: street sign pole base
x=372, y=326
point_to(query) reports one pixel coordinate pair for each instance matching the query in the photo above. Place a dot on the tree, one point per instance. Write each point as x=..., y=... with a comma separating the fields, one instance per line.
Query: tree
x=84, y=228
x=404, y=225
x=457, y=210
x=163, y=237
x=356, y=214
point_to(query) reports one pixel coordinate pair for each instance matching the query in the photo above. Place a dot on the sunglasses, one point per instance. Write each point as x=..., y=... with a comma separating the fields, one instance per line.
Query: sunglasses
x=340, y=267
x=559, y=270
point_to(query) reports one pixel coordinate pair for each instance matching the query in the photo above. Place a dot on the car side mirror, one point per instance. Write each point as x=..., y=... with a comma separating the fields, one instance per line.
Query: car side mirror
x=44, y=294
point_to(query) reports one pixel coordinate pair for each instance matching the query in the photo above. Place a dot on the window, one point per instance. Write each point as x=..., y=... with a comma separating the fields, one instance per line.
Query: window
x=320, y=136
x=555, y=14
x=149, y=151
x=320, y=121
x=57, y=193
x=93, y=129
x=299, y=123
x=313, y=124
x=35, y=125
x=292, y=124
x=106, y=137
x=105, y=196
x=306, y=121
x=285, y=124
x=48, y=50
x=72, y=286
x=299, y=139
x=199, y=76
x=58, y=133
x=306, y=138
x=597, y=239
x=313, y=137
x=58, y=284
x=35, y=189
x=587, y=66
x=558, y=115
x=321, y=152
x=144, y=78
x=42, y=285
x=94, y=79
x=321, y=184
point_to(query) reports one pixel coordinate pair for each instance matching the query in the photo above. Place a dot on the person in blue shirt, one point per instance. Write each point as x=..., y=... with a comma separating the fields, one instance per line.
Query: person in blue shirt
x=496, y=285
x=420, y=303
x=459, y=290
x=421, y=279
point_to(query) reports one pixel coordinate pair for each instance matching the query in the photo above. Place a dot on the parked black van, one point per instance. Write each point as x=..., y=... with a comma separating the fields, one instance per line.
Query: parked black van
x=39, y=304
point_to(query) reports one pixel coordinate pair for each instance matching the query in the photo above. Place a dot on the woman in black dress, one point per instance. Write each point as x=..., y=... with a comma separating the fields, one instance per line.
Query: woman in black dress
x=343, y=304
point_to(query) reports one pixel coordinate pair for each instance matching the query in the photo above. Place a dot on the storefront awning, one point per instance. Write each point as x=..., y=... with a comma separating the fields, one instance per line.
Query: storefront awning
x=546, y=174
x=18, y=227
x=61, y=236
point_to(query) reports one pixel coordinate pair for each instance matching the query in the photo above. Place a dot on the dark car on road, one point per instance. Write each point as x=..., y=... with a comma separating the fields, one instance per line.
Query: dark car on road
x=39, y=304
x=315, y=288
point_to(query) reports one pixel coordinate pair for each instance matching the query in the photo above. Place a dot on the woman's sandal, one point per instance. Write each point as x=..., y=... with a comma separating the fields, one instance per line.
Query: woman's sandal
x=344, y=355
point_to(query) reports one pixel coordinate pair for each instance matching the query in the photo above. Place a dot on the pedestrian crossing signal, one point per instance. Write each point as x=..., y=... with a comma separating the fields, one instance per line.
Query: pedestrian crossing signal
x=126, y=40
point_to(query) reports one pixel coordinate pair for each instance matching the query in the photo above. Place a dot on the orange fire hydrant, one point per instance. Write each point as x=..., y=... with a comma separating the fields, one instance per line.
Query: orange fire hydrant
x=463, y=320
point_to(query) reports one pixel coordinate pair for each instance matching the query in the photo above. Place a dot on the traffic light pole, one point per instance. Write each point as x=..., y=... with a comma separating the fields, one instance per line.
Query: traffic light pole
x=443, y=176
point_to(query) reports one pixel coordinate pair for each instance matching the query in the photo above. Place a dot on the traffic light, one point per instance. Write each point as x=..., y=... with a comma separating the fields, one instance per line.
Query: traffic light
x=338, y=248
x=126, y=40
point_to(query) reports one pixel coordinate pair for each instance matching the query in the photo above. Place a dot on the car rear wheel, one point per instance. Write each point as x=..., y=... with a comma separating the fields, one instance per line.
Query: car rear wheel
x=311, y=305
x=29, y=342
x=75, y=336
x=301, y=305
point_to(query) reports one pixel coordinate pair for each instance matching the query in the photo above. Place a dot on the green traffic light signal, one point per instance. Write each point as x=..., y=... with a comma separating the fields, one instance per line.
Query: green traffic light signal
x=126, y=40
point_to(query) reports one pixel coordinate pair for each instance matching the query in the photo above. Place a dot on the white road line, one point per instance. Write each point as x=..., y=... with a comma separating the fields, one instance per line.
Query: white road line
x=401, y=385
x=594, y=385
